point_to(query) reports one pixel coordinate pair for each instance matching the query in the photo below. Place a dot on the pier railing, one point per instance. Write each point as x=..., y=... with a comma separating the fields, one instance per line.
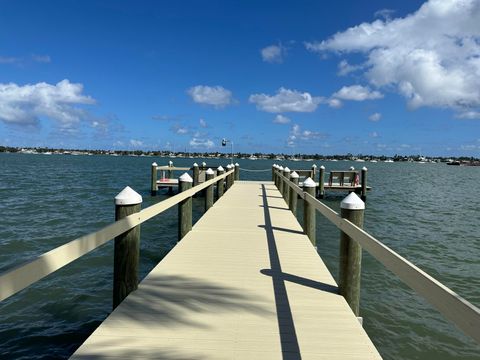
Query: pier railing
x=14, y=280
x=452, y=306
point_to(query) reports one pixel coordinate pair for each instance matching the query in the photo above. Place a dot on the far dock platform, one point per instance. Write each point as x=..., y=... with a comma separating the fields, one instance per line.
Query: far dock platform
x=245, y=283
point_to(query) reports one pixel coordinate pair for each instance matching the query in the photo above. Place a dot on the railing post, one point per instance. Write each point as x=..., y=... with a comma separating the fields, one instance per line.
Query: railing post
x=292, y=205
x=364, y=184
x=321, y=183
x=184, y=207
x=314, y=171
x=280, y=180
x=350, y=266
x=154, y=179
x=195, y=174
x=286, y=188
x=309, y=211
x=221, y=182
x=209, y=175
x=273, y=172
x=237, y=171
x=170, y=176
x=126, y=248
x=275, y=175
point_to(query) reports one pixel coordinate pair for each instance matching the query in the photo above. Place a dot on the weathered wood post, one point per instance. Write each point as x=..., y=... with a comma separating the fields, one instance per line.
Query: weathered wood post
x=350, y=266
x=126, y=248
x=184, y=207
x=364, y=184
x=221, y=182
x=237, y=171
x=273, y=172
x=309, y=211
x=154, y=179
x=227, y=179
x=292, y=205
x=280, y=181
x=286, y=188
x=209, y=175
x=196, y=172
x=170, y=176
x=314, y=172
x=321, y=183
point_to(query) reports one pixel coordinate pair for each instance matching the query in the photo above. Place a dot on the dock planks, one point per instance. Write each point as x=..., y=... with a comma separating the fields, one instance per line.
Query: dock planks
x=245, y=283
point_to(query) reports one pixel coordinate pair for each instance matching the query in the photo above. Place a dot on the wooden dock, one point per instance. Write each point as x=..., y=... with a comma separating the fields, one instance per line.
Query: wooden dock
x=245, y=283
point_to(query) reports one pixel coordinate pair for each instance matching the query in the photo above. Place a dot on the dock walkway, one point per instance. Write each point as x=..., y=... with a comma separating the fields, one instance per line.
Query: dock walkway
x=245, y=283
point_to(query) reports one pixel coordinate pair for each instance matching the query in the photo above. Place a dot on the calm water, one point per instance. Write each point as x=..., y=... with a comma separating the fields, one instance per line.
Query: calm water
x=426, y=212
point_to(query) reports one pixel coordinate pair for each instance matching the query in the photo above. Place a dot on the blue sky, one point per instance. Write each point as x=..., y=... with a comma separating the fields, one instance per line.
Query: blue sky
x=373, y=77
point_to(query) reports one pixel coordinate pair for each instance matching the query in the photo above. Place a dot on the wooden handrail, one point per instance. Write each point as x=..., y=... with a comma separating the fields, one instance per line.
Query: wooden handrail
x=22, y=276
x=456, y=309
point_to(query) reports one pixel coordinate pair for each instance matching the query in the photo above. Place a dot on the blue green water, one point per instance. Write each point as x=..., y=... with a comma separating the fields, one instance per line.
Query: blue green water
x=426, y=212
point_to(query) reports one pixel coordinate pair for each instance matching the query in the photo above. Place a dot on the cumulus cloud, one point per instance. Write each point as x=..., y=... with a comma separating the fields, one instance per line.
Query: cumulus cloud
x=273, y=53
x=468, y=115
x=136, y=143
x=344, y=68
x=203, y=123
x=375, y=117
x=296, y=134
x=280, y=119
x=334, y=103
x=357, y=93
x=430, y=56
x=25, y=105
x=179, y=129
x=286, y=101
x=384, y=13
x=202, y=143
x=217, y=96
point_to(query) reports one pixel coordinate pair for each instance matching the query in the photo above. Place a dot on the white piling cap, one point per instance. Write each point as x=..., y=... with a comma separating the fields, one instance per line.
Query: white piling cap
x=237, y=164
x=209, y=172
x=280, y=168
x=170, y=162
x=220, y=168
x=364, y=168
x=314, y=166
x=185, y=178
x=228, y=166
x=294, y=175
x=286, y=169
x=352, y=168
x=322, y=167
x=154, y=164
x=195, y=164
x=204, y=163
x=352, y=202
x=128, y=196
x=308, y=182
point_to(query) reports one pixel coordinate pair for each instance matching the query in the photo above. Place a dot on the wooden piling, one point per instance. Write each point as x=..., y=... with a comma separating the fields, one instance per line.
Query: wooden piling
x=170, y=176
x=237, y=171
x=286, y=188
x=309, y=211
x=228, y=181
x=154, y=188
x=126, y=248
x=314, y=172
x=273, y=172
x=196, y=173
x=209, y=175
x=350, y=266
x=292, y=205
x=184, y=207
x=280, y=181
x=363, y=194
x=321, y=182
x=221, y=182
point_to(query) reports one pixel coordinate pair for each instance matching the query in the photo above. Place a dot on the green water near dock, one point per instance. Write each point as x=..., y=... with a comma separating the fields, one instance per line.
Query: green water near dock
x=429, y=213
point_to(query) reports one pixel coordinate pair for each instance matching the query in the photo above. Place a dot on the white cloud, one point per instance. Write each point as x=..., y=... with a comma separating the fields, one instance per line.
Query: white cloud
x=136, y=143
x=384, y=13
x=357, y=93
x=280, y=119
x=344, y=68
x=179, y=129
x=273, y=53
x=41, y=58
x=334, y=103
x=430, y=56
x=217, y=96
x=202, y=143
x=374, y=134
x=203, y=123
x=375, y=117
x=25, y=105
x=297, y=134
x=8, y=60
x=286, y=101
x=468, y=147
x=468, y=115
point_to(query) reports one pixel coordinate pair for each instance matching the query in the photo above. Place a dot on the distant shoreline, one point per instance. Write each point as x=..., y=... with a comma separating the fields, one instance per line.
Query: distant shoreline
x=463, y=160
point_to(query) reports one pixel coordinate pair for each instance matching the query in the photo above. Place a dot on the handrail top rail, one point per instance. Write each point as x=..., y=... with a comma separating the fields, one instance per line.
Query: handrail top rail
x=23, y=275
